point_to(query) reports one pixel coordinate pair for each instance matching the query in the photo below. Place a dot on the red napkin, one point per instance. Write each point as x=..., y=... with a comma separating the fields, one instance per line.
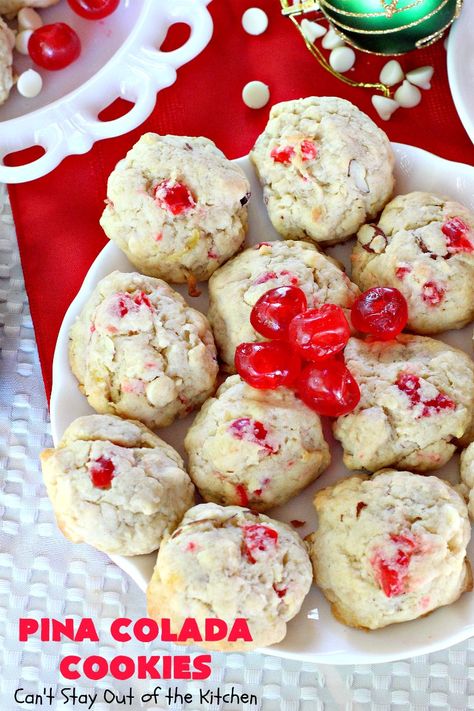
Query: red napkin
x=57, y=216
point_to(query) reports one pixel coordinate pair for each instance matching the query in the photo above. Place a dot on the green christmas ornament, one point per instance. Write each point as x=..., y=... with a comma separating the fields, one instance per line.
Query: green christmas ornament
x=390, y=26
x=384, y=27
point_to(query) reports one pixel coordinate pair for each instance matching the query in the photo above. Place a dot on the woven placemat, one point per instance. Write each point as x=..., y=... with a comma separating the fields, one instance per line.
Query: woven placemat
x=43, y=575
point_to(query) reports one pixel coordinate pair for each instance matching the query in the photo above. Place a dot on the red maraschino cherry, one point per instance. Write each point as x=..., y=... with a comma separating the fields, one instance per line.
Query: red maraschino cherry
x=101, y=472
x=319, y=333
x=267, y=365
x=94, y=9
x=275, y=309
x=382, y=312
x=54, y=46
x=328, y=388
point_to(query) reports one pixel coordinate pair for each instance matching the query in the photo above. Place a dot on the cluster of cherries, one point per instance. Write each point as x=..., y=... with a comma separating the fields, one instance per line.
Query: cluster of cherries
x=305, y=350
x=57, y=45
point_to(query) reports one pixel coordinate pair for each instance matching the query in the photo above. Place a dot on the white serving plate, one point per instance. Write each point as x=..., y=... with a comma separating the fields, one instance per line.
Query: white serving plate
x=461, y=66
x=120, y=58
x=324, y=640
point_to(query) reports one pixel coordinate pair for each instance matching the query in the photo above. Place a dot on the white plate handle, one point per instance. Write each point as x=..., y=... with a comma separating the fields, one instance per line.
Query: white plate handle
x=195, y=15
x=71, y=126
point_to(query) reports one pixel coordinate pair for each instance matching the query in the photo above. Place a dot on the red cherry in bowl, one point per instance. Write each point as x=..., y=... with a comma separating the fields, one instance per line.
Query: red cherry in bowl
x=267, y=365
x=381, y=312
x=319, y=333
x=54, y=46
x=275, y=309
x=328, y=388
x=94, y=9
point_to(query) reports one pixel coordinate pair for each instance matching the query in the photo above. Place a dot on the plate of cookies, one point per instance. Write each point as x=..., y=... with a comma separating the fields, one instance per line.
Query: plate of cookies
x=262, y=389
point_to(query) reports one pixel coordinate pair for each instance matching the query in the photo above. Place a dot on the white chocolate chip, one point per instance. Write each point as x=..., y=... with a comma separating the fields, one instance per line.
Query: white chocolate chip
x=342, y=59
x=407, y=95
x=312, y=30
x=21, y=41
x=384, y=106
x=29, y=19
x=357, y=172
x=391, y=73
x=421, y=77
x=29, y=84
x=331, y=39
x=255, y=94
x=161, y=391
x=254, y=21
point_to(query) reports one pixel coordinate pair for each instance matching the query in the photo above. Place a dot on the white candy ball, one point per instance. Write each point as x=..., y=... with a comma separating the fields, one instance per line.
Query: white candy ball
x=29, y=84
x=255, y=94
x=21, y=41
x=254, y=21
x=391, y=73
x=29, y=19
x=331, y=39
x=407, y=95
x=384, y=106
x=342, y=59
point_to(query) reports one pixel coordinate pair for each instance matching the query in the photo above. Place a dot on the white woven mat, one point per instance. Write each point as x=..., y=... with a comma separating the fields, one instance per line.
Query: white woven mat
x=43, y=575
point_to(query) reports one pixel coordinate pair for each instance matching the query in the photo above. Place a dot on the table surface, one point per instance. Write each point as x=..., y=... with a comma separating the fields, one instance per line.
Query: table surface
x=44, y=575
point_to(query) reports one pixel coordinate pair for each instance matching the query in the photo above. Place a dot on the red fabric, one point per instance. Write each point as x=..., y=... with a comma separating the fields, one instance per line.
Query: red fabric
x=57, y=216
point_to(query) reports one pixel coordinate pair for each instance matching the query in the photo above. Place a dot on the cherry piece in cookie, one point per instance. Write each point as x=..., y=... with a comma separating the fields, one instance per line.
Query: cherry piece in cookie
x=174, y=197
x=250, y=430
x=94, y=9
x=382, y=312
x=410, y=384
x=432, y=293
x=391, y=572
x=101, y=471
x=456, y=232
x=308, y=150
x=273, y=312
x=242, y=495
x=258, y=538
x=54, y=46
x=319, y=333
x=282, y=154
x=328, y=388
x=267, y=365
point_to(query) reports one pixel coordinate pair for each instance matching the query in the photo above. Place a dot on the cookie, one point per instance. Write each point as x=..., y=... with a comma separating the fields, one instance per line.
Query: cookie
x=235, y=288
x=423, y=245
x=7, y=42
x=390, y=548
x=228, y=563
x=256, y=448
x=11, y=7
x=325, y=168
x=139, y=351
x=467, y=477
x=177, y=207
x=417, y=397
x=115, y=485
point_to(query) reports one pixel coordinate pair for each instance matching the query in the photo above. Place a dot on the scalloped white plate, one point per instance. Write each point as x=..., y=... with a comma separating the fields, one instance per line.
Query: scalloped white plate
x=461, y=66
x=323, y=640
x=119, y=58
